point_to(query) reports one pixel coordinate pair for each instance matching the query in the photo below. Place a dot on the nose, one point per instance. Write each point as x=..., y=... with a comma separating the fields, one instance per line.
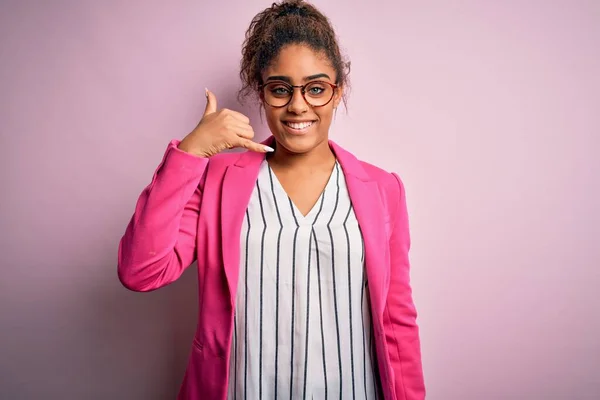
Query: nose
x=297, y=104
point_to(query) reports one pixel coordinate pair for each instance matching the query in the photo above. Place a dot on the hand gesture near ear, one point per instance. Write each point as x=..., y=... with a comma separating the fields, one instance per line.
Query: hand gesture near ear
x=220, y=130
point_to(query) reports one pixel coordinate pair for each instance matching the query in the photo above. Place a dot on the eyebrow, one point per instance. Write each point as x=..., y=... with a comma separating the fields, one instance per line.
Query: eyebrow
x=305, y=79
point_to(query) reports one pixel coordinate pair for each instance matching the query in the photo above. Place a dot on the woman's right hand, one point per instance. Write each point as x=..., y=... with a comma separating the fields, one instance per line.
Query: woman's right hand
x=220, y=130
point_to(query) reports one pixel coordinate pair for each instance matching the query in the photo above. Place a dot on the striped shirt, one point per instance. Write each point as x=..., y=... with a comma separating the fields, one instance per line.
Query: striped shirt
x=302, y=324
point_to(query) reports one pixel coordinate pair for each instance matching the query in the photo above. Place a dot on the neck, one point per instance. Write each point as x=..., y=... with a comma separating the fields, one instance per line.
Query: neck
x=320, y=156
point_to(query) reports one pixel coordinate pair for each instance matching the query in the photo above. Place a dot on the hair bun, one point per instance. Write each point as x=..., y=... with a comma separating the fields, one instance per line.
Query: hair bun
x=292, y=8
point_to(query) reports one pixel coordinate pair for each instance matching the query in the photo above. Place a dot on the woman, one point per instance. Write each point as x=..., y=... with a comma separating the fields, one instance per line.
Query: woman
x=302, y=249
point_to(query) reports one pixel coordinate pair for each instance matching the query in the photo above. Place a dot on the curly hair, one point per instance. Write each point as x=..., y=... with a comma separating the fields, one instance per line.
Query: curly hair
x=284, y=23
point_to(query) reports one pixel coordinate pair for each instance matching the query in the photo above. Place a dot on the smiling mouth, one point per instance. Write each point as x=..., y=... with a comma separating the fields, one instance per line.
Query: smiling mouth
x=299, y=126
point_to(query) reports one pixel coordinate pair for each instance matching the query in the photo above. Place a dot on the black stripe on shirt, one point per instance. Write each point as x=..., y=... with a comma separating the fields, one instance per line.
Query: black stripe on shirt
x=350, y=302
x=293, y=299
x=337, y=322
x=277, y=285
x=246, y=311
x=261, y=310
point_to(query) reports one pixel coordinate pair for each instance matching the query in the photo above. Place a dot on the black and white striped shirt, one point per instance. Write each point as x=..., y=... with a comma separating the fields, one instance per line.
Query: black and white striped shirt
x=302, y=325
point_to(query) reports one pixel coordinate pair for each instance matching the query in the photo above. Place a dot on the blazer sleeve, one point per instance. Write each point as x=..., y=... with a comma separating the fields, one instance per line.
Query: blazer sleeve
x=400, y=327
x=160, y=240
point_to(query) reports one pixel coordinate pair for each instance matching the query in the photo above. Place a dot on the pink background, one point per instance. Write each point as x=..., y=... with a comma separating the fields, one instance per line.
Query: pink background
x=489, y=110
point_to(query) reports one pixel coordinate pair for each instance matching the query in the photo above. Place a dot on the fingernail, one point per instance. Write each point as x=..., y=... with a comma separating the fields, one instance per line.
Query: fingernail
x=269, y=149
x=206, y=92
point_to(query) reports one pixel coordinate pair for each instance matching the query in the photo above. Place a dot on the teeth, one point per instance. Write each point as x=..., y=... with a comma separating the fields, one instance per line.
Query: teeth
x=299, y=125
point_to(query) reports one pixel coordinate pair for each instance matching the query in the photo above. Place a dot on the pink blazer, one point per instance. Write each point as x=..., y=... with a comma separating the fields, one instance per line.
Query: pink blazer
x=193, y=210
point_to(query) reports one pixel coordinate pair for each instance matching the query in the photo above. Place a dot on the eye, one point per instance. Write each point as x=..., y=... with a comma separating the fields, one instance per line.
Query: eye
x=316, y=89
x=279, y=90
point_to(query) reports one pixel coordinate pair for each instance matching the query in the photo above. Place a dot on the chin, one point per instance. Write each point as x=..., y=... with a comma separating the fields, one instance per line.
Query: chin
x=299, y=144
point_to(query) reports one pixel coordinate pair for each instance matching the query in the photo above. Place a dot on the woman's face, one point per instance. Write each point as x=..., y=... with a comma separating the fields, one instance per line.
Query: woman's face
x=298, y=126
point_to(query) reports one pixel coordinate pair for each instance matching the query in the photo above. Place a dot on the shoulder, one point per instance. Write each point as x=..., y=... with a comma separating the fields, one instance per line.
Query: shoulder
x=223, y=160
x=219, y=163
x=387, y=179
x=216, y=167
x=390, y=184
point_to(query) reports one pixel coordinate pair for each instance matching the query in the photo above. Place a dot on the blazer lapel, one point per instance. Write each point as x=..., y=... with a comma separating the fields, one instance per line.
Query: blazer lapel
x=368, y=207
x=238, y=184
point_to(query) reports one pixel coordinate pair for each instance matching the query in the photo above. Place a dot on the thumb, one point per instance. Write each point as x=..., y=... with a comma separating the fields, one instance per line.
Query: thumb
x=211, y=103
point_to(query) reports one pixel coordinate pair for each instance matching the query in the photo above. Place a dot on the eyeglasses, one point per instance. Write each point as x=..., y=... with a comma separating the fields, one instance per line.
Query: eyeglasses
x=279, y=94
